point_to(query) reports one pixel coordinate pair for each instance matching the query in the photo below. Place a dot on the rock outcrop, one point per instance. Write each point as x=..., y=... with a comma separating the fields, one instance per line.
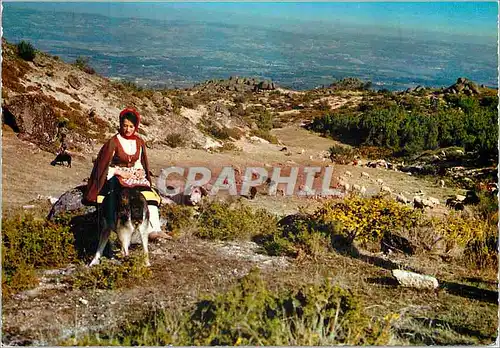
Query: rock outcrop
x=35, y=119
x=463, y=85
x=237, y=84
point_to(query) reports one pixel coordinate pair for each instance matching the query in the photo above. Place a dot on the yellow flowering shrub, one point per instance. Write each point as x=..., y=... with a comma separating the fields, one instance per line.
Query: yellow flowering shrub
x=366, y=220
x=460, y=231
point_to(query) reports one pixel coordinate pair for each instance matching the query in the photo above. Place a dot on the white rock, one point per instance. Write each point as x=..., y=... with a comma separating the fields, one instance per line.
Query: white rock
x=415, y=280
x=83, y=301
x=254, y=139
x=460, y=198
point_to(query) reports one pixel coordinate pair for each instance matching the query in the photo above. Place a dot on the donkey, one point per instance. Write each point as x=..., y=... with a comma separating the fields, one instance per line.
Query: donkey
x=131, y=216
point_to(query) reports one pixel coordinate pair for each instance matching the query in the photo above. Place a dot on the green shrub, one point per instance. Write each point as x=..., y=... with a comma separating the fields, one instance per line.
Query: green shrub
x=252, y=314
x=175, y=140
x=29, y=244
x=341, y=154
x=187, y=101
x=26, y=51
x=228, y=147
x=218, y=220
x=178, y=217
x=111, y=275
x=296, y=236
x=264, y=120
x=265, y=135
x=409, y=125
x=482, y=253
x=82, y=63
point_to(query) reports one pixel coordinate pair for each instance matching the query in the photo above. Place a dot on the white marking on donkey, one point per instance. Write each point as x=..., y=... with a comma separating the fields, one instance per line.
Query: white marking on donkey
x=131, y=216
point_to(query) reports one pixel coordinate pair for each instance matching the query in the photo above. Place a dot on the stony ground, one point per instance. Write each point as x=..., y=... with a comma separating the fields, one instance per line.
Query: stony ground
x=186, y=267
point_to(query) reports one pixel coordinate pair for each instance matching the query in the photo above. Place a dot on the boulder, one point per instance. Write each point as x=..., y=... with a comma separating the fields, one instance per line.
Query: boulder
x=266, y=85
x=415, y=280
x=70, y=201
x=35, y=119
x=74, y=82
x=463, y=85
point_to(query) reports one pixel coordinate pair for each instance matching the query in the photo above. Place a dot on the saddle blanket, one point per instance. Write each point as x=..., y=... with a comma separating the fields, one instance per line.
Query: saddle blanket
x=151, y=196
x=134, y=181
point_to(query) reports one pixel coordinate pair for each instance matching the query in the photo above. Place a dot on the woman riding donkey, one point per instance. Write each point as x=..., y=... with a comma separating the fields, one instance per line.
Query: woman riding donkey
x=123, y=162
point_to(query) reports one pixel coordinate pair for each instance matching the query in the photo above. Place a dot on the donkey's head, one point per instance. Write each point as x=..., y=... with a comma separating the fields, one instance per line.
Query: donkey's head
x=132, y=206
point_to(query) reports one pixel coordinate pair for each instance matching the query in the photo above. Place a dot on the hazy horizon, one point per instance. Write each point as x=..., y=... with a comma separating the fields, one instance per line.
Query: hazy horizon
x=299, y=45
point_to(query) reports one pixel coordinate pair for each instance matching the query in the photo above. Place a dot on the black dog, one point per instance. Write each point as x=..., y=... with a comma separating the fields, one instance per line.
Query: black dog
x=61, y=158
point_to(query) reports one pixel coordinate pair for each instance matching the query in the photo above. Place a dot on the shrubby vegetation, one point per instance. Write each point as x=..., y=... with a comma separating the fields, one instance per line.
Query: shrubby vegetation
x=409, y=125
x=111, y=275
x=220, y=220
x=26, y=50
x=29, y=244
x=250, y=313
x=82, y=63
x=355, y=222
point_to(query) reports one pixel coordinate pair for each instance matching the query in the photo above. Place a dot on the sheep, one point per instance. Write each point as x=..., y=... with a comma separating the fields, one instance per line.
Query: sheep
x=455, y=204
x=348, y=173
x=362, y=190
x=385, y=189
x=380, y=182
x=434, y=201
x=441, y=183
x=365, y=175
x=342, y=178
x=402, y=199
x=356, y=188
x=345, y=185
x=417, y=202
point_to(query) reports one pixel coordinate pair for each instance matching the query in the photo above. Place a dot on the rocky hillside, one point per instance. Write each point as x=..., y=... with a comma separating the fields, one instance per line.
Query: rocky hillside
x=45, y=97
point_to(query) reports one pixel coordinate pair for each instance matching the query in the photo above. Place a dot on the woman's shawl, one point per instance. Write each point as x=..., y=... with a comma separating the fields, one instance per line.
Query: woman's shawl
x=99, y=174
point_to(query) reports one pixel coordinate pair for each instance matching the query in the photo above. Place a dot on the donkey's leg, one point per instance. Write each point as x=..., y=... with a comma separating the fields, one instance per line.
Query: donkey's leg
x=144, y=231
x=103, y=240
x=125, y=236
